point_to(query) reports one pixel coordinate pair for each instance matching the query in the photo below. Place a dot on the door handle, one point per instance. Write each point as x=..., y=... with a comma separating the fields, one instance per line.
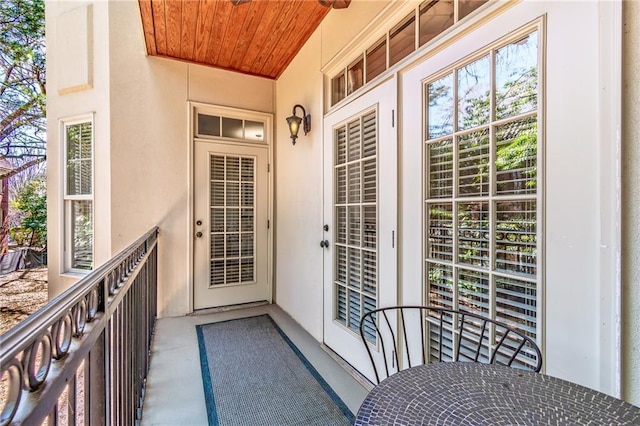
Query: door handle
x=198, y=234
x=324, y=243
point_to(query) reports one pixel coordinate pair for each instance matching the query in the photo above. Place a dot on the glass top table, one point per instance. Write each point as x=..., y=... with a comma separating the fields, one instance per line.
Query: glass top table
x=466, y=393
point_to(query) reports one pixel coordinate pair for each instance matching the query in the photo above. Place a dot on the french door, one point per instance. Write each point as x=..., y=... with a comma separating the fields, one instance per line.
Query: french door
x=231, y=224
x=360, y=199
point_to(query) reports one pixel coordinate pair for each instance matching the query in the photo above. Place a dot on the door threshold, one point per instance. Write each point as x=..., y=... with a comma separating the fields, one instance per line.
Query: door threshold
x=363, y=381
x=228, y=308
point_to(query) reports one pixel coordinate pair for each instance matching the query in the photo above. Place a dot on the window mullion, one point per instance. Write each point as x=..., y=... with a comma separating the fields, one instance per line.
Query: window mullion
x=455, y=191
x=492, y=188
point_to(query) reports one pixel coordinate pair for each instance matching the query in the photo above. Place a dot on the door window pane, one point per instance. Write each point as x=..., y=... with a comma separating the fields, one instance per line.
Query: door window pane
x=356, y=231
x=440, y=110
x=474, y=85
x=517, y=157
x=232, y=128
x=254, y=130
x=232, y=222
x=481, y=199
x=208, y=125
x=517, y=77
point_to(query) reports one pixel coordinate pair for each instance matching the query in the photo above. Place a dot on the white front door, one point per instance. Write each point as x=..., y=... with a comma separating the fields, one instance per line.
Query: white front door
x=360, y=190
x=230, y=224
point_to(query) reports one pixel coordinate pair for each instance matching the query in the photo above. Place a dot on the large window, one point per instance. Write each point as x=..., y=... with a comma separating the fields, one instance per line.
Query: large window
x=78, y=195
x=482, y=192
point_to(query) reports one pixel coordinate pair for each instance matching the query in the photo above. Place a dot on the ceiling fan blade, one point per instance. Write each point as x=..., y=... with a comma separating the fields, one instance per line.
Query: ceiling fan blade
x=341, y=4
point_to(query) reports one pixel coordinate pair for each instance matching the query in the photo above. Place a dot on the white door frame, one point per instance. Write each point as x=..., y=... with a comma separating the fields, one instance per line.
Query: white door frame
x=223, y=111
x=382, y=98
x=592, y=307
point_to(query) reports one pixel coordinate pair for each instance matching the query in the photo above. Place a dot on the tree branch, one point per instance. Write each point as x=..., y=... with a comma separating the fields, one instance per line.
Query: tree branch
x=23, y=167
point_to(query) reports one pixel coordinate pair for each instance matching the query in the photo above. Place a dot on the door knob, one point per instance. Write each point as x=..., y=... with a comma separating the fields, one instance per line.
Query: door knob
x=324, y=243
x=198, y=234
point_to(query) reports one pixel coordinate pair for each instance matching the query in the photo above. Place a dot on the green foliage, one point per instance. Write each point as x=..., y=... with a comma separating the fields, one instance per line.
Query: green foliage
x=22, y=74
x=520, y=151
x=31, y=201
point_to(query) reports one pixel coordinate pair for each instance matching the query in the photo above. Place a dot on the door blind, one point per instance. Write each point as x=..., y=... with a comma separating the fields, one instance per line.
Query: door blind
x=481, y=197
x=356, y=230
x=232, y=219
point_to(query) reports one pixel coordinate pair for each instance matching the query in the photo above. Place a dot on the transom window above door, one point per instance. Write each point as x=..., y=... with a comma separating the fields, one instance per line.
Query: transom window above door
x=428, y=20
x=482, y=198
x=220, y=127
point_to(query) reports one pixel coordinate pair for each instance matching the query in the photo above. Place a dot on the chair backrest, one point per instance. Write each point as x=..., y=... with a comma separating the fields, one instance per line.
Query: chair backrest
x=428, y=334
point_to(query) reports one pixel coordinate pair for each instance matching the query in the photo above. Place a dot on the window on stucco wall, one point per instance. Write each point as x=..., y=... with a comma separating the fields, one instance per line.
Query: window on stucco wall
x=78, y=195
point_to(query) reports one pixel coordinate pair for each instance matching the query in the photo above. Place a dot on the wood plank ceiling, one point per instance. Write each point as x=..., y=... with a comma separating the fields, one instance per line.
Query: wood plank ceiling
x=258, y=37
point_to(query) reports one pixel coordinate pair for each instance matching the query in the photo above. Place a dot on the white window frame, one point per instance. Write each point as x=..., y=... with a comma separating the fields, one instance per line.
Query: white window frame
x=67, y=200
x=539, y=197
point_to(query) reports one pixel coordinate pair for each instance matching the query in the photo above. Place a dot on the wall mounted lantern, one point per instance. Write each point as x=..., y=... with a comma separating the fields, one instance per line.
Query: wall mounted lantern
x=294, y=123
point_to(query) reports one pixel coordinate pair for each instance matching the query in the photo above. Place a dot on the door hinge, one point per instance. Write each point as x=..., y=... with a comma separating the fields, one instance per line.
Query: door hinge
x=393, y=118
x=268, y=224
x=268, y=167
x=393, y=239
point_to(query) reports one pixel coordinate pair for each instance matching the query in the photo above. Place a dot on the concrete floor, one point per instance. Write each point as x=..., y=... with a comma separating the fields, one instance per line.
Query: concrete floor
x=174, y=394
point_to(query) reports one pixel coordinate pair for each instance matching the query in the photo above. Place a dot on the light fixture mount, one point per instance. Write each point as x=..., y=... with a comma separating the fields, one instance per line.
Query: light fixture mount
x=294, y=123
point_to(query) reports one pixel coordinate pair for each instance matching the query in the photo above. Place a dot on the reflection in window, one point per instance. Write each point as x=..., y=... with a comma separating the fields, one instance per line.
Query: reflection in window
x=254, y=130
x=435, y=17
x=377, y=59
x=208, y=125
x=474, y=84
x=465, y=7
x=227, y=127
x=232, y=128
x=355, y=76
x=517, y=77
x=482, y=203
x=402, y=40
x=440, y=111
x=337, y=88
x=78, y=196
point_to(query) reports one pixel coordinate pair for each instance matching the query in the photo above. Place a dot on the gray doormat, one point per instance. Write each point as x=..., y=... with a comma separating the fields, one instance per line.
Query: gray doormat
x=254, y=375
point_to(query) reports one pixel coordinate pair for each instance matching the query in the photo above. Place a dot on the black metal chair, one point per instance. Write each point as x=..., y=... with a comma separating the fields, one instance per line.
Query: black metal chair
x=426, y=334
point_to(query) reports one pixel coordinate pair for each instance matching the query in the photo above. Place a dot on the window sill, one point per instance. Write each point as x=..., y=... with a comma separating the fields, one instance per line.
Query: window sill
x=75, y=274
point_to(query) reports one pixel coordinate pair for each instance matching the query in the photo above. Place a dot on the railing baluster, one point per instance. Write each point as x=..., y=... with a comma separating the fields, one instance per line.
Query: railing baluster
x=71, y=402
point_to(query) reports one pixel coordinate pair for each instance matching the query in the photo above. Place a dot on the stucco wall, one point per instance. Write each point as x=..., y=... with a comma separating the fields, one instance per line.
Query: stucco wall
x=631, y=202
x=94, y=100
x=141, y=136
x=342, y=25
x=298, y=180
x=150, y=146
x=298, y=185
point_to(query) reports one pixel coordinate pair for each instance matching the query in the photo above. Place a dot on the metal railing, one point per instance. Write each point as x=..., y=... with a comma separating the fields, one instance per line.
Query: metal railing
x=83, y=357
